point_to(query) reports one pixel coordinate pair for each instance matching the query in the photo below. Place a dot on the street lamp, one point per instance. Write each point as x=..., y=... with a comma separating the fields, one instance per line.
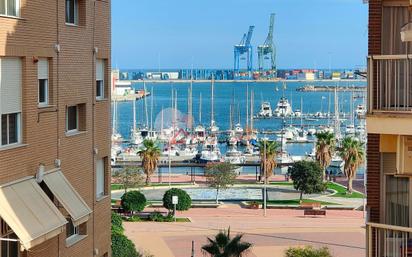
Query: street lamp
x=265, y=177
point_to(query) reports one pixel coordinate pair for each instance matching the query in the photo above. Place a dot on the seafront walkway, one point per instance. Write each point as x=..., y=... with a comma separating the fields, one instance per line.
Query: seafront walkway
x=341, y=231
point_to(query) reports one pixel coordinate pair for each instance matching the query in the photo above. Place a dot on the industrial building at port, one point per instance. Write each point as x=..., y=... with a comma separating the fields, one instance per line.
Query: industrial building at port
x=228, y=74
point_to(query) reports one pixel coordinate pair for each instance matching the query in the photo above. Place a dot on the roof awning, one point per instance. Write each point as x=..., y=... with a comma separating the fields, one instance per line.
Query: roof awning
x=29, y=212
x=67, y=196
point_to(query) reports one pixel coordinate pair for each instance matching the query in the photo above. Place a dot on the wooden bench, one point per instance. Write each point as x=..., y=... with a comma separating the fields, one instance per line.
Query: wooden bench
x=312, y=209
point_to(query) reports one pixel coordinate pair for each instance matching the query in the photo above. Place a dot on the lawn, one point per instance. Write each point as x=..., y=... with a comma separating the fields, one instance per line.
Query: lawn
x=295, y=202
x=341, y=191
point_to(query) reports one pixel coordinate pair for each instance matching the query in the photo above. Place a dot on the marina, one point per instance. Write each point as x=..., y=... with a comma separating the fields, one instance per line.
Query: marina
x=196, y=124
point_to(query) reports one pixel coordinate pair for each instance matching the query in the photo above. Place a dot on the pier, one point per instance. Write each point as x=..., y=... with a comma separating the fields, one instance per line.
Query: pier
x=331, y=88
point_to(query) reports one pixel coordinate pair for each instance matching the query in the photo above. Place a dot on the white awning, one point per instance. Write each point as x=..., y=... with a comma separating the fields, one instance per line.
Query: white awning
x=67, y=196
x=29, y=212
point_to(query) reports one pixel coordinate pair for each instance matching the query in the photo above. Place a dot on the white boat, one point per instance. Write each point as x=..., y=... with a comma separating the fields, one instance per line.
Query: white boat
x=213, y=128
x=200, y=133
x=360, y=110
x=265, y=110
x=300, y=137
x=210, y=152
x=311, y=131
x=238, y=129
x=350, y=129
x=283, y=108
x=234, y=156
x=297, y=113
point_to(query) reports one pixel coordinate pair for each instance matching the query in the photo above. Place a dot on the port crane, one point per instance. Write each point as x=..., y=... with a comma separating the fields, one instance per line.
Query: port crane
x=267, y=51
x=244, y=51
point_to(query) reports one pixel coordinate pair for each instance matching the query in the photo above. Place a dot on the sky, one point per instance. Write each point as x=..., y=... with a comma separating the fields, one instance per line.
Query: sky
x=171, y=34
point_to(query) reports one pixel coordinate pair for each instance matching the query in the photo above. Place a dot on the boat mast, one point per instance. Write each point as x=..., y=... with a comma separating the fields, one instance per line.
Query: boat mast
x=329, y=109
x=212, y=103
x=200, y=108
x=251, y=110
x=151, y=109
x=247, y=106
x=301, y=112
x=134, y=115
x=337, y=123
x=114, y=116
x=189, y=107
x=145, y=105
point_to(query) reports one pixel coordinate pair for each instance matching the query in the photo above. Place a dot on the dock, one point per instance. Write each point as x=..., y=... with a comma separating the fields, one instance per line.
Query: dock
x=331, y=88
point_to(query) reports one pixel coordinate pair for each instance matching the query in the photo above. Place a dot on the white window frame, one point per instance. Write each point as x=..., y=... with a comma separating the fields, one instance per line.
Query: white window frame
x=18, y=129
x=103, y=193
x=75, y=13
x=77, y=119
x=17, y=3
x=46, y=93
x=9, y=242
x=76, y=230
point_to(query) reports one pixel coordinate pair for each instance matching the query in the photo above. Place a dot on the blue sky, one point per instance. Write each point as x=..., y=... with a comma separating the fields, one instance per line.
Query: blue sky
x=182, y=33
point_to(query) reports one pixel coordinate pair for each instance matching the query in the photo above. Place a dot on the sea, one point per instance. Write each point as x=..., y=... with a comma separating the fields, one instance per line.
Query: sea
x=234, y=97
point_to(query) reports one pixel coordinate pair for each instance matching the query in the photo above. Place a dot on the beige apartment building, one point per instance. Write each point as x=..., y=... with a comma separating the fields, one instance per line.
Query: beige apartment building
x=55, y=128
x=389, y=125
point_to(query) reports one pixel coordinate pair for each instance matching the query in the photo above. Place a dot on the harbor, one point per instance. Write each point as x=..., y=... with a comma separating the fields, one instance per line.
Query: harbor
x=198, y=123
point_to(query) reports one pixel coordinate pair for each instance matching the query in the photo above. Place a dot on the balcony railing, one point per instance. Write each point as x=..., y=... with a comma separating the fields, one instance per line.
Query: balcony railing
x=388, y=241
x=390, y=83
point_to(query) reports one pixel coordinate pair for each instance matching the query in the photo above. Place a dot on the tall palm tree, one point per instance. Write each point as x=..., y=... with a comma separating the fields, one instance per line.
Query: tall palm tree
x=222, y=245
x=353, y=154
x=268, y=154
x=325, y=147
x=150, y=154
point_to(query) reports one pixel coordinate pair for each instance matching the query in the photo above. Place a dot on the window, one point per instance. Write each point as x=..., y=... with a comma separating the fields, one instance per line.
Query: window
x=397, y=201
x=9, y=7
x=71, y=230
x=8, y=248
x=43, y=78
x=72, y=118
x=72, y=10
x=100, y=79
x=101, y=178
x=10, y=124
x=10, y=101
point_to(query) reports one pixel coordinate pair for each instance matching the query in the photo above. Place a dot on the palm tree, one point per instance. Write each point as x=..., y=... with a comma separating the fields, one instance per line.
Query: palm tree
x=222, y=245
x=325, y=146
x=353, y=154
x=268, y=154
x=150, y=154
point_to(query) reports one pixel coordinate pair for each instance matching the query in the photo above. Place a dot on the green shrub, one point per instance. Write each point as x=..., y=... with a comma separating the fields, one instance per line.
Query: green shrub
x=123, y=247
x=117, y=224
x=156, y=216
x=184, y=203
x=308, y=251
x=133, y=201
x=134, y=218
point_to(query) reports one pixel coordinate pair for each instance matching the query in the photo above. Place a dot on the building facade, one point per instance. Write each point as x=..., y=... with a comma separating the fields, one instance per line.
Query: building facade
x=55, y=128
x=389, y=125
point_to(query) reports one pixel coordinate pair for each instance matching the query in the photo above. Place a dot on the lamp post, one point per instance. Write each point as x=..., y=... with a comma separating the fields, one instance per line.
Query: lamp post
x=265, y=177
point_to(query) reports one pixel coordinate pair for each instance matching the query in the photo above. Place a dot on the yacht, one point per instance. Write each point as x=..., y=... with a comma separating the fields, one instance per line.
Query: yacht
x=238, y=129
x=234, y=156
x=360, y=110
x=297, y=113
x=265, y=110
x=213, y=128
x=283, y=108
x=350, y=129
x=210, y=153
x=200, y=133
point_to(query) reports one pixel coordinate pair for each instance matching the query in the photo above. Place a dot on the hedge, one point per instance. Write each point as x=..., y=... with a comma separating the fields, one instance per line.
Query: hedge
x=133, y=201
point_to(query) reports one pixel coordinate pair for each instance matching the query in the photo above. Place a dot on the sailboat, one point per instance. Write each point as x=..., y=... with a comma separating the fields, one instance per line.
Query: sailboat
x=200, y=131
x=213, y=127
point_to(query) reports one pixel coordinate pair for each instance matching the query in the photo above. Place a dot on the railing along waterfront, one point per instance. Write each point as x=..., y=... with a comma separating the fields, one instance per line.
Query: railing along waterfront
x=388, y=241
x=389, y=83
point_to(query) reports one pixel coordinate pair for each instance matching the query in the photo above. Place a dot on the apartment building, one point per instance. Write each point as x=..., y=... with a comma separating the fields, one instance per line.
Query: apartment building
x=55, y=128
x=389, y=122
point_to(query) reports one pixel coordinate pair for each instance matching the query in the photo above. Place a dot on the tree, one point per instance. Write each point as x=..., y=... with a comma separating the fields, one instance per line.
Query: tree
x=150, y=154
x=353, y=154
x=133, y=201
x=123, y=247
x=325, y=147
x=129, y=177
x=184, y=204
x=223, y=245
x=220, y=176
x=268, y=154
x=307, y=177
x=307, y=251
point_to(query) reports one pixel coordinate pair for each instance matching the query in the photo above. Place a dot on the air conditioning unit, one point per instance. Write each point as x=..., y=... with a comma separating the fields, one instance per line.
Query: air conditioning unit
x=404, y=155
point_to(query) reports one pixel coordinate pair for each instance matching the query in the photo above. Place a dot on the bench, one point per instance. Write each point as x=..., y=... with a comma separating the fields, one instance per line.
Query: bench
x=312, y=209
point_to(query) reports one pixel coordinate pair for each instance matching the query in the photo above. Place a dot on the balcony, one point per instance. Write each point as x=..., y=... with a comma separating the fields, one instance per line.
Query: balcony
x=390, y=84
x=388, y=241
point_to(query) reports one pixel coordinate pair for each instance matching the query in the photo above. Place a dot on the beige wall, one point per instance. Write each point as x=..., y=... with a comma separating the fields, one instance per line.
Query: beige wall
x=72, y=81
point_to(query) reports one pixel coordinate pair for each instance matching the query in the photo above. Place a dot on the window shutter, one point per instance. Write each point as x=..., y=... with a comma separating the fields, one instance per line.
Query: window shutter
x=43, y=68
x=100, y=177
x=10, y=85
x=99, y=69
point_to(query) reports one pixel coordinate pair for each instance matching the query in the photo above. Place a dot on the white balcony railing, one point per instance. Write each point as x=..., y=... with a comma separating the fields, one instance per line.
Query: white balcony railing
x=390, y=83
x=388, y=241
